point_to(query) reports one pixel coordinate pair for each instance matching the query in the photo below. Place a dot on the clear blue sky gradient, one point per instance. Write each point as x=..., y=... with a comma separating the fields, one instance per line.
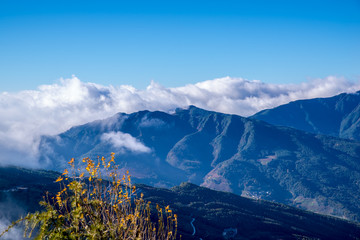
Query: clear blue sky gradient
x=176, y=42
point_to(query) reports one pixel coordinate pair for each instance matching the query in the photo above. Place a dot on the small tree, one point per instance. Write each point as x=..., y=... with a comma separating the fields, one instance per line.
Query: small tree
x=89, y=206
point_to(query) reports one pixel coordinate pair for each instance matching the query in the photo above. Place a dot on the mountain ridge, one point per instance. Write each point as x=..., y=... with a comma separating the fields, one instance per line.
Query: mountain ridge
x=225, y=152
x=337, y=116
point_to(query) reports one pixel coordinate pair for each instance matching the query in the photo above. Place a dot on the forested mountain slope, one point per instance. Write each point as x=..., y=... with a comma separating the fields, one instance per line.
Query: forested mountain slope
x=202, y=213
x=224, y=152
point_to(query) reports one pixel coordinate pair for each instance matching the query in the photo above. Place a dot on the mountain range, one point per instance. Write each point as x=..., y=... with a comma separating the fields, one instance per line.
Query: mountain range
x=224, y=152
x=337, y=116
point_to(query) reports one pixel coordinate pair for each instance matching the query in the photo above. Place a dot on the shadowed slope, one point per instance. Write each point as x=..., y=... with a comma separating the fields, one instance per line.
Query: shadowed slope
x=202, y=213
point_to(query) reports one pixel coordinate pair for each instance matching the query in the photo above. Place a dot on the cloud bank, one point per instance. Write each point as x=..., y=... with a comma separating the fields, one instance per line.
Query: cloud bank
x=51, y=109
x=124, y=141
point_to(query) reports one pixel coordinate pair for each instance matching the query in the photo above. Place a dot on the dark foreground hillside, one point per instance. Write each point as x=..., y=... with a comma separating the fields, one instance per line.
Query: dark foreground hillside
x=221, y=215
x=203, y=213
x=21, y=189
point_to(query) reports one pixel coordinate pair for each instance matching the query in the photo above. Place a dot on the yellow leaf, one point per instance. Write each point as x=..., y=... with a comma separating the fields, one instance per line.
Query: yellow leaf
x=59, y=179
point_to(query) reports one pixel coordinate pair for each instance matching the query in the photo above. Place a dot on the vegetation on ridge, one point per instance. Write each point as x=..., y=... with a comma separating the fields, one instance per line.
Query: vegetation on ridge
x=213, y=211
x=98, y=204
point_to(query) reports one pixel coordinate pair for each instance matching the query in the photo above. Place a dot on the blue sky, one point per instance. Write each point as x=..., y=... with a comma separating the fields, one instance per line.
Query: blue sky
x=176, y=42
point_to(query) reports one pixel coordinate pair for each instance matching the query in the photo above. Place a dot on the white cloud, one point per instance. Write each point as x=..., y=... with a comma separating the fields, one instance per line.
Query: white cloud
x=51, y=109
x=243, y=97
x=125, y=141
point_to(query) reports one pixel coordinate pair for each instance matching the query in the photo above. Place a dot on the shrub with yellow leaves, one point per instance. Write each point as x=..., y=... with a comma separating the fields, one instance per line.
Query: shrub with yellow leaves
x=98, y=204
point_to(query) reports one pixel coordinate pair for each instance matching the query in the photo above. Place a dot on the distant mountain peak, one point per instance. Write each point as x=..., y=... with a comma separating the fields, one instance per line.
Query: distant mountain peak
x=336, y=116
